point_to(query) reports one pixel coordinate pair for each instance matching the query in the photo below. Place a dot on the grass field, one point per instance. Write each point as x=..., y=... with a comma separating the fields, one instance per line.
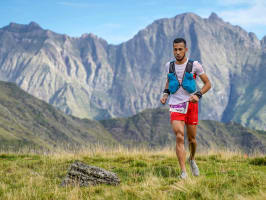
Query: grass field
x=144, y=175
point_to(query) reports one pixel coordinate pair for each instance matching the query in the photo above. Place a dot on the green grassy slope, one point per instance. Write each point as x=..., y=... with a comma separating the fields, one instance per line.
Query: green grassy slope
x=27, y=121
x=144, y=175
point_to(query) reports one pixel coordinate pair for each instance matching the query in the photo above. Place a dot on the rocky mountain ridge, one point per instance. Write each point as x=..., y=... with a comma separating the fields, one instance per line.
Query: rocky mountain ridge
x=88, y=78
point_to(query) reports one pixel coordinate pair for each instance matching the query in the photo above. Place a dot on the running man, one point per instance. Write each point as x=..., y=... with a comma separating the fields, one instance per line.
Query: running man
x=189, y=116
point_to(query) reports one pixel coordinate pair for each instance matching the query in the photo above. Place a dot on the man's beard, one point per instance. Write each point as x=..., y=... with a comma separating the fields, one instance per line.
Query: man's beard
x=180, y=59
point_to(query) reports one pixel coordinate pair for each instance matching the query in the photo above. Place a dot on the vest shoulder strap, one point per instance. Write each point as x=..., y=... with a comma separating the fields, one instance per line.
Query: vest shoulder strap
x=172, y=67
x=189, y=66
x=188, y=69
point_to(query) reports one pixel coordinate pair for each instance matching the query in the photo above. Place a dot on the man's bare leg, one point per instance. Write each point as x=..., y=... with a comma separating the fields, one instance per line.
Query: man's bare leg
x=178, y=128
x=191, y=133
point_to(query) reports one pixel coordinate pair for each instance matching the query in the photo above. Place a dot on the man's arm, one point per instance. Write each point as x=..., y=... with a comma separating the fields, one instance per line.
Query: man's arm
x=165, y=95
x=207, y=85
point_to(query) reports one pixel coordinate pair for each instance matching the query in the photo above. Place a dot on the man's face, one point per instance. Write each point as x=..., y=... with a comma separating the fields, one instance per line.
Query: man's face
x=179, y=51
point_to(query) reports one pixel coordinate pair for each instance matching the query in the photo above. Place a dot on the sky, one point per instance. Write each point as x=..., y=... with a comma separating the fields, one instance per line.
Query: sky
x=119, y=20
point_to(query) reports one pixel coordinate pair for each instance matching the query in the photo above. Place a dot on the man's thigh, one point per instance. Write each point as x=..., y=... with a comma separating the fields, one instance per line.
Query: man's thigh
x=178, y=126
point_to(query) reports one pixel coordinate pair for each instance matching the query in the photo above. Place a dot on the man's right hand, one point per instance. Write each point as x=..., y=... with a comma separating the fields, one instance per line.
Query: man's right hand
x=164, y=99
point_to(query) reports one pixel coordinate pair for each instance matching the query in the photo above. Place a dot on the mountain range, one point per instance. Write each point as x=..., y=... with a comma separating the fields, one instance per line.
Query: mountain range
x=88, y=78
x=27, y=122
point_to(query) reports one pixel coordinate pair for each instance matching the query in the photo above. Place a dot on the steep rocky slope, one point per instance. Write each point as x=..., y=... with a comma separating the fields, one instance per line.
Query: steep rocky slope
x=89, y=78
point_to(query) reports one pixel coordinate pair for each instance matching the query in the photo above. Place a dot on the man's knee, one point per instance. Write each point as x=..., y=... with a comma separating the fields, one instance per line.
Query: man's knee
x=180, y=138
x=192, y=139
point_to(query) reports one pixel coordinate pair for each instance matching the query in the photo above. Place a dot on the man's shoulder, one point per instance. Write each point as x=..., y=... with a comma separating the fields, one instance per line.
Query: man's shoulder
x=168, y=63
x=196, y=62
x=197, y=67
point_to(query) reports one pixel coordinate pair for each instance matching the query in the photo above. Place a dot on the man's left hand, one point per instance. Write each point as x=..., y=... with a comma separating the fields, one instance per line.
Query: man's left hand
x=193, y=99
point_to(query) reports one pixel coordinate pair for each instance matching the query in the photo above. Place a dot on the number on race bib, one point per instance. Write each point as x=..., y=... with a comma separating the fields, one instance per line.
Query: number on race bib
x=180, y=108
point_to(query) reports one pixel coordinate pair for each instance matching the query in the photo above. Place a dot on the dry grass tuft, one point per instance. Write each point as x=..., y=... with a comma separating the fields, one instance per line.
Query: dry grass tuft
x=144, y=173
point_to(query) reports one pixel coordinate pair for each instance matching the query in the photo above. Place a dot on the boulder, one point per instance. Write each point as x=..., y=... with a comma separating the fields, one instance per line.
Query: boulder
x=82, y=174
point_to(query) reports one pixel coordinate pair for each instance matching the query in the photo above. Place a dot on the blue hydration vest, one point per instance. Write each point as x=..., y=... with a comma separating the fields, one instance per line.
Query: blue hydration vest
x=188, y=82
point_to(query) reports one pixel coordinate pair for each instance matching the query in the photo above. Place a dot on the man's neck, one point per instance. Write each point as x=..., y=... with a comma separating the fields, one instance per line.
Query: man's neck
x=182, y=61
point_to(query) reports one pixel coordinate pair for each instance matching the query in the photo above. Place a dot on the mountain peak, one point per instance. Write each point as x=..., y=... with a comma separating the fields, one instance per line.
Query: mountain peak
x=14, y=27
x=188, y=15
x=263, y=42
x=92, y=36
x=34, y=25
x=214, y=17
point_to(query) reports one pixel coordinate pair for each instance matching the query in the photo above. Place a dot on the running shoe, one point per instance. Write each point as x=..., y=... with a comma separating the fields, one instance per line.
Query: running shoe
x=194, y=168
x=183, y=175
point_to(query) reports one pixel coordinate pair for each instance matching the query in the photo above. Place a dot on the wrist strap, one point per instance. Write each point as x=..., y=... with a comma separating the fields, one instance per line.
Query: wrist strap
x=198, y=94
x=166, y=91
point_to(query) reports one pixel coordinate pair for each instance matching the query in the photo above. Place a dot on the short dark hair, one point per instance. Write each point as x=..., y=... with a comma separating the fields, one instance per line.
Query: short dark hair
x=180, y=40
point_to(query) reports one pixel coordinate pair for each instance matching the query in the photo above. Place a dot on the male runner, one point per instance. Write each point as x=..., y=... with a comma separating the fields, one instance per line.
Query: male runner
x=190, y=119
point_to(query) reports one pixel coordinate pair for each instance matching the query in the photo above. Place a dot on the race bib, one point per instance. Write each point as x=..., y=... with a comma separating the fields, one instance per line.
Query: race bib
x=180, y=108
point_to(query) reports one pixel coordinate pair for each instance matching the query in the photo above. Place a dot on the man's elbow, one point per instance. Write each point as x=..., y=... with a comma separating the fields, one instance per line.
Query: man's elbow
x=209, y=85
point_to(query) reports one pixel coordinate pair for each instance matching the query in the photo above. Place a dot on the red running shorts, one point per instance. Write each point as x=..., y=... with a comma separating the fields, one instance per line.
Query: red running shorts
x=191, y=117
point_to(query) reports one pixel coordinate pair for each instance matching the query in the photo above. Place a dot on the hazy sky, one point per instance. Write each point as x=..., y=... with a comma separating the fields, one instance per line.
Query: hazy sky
x=119, y=20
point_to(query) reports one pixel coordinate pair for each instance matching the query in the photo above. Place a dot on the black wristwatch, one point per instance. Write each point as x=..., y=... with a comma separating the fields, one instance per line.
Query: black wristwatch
x=198, y=94
x=166, y=91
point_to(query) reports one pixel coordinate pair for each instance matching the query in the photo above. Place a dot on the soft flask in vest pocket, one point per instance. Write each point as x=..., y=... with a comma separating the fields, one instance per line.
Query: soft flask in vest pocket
x=188, y=83
x=173, y=83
